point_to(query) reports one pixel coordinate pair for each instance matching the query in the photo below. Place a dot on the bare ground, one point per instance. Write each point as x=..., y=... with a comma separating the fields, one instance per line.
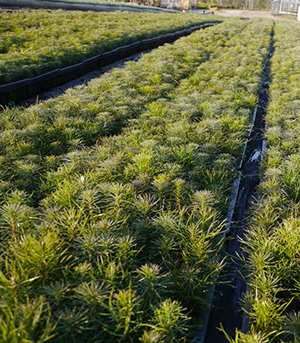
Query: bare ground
x=256, y=14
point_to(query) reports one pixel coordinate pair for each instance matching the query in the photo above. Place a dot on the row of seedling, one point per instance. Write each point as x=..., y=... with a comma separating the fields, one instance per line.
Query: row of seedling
x=120, y=238
x=34, y=42
x=272, y=242
x=81, y=116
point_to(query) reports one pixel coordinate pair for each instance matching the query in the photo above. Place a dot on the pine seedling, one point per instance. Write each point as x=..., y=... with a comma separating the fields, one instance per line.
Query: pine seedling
x=292, y=325
x=26, y=170
x=152, y=285
x=266, y=284
x=108, y=244
x=84, y=272
x=114, y=274
x=161, y=185
x=74, y=144
x=14, y=284
x=71, y=224
x=104, y=226
x=198, y=266
x=178, y=192
x=44, y=259
x=265, y=221
x=90, y=199
x=203, y=208
x=253, y=336
x=25, y=322
x=16, y=217
x=143, y=163
x=151, y=337
x=72, y=324
x=123, y=311
x=88, y=247
x=260, y=260
x=126, y=251
x=267, y=314
x=66, y=194
x=291, y=176
x=170, y=321
x=144, y=204
x=93, y=295
x=57, y=293
x=117, y=198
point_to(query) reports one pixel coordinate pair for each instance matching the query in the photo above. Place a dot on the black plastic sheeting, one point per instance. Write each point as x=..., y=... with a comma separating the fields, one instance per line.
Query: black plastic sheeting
x=24, y=89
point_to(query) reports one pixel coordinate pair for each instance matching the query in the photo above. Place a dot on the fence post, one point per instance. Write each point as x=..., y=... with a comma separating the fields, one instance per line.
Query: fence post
x=298, y=16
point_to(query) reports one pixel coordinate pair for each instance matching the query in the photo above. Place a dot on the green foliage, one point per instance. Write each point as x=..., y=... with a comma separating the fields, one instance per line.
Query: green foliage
x=273, y=240
x=121, y=224
x=23, y=322
x=16, y=217
x=168, y=321
x=250, y=337
x=37, y=41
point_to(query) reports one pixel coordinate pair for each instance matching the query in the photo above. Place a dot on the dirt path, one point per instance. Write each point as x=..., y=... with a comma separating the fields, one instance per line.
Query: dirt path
x=255, y=14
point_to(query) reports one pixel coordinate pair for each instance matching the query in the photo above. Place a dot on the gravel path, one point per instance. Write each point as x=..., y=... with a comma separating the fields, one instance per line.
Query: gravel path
x=256, y=14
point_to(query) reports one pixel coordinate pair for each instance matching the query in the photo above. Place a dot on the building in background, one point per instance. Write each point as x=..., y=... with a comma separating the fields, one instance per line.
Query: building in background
x=170, y=4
